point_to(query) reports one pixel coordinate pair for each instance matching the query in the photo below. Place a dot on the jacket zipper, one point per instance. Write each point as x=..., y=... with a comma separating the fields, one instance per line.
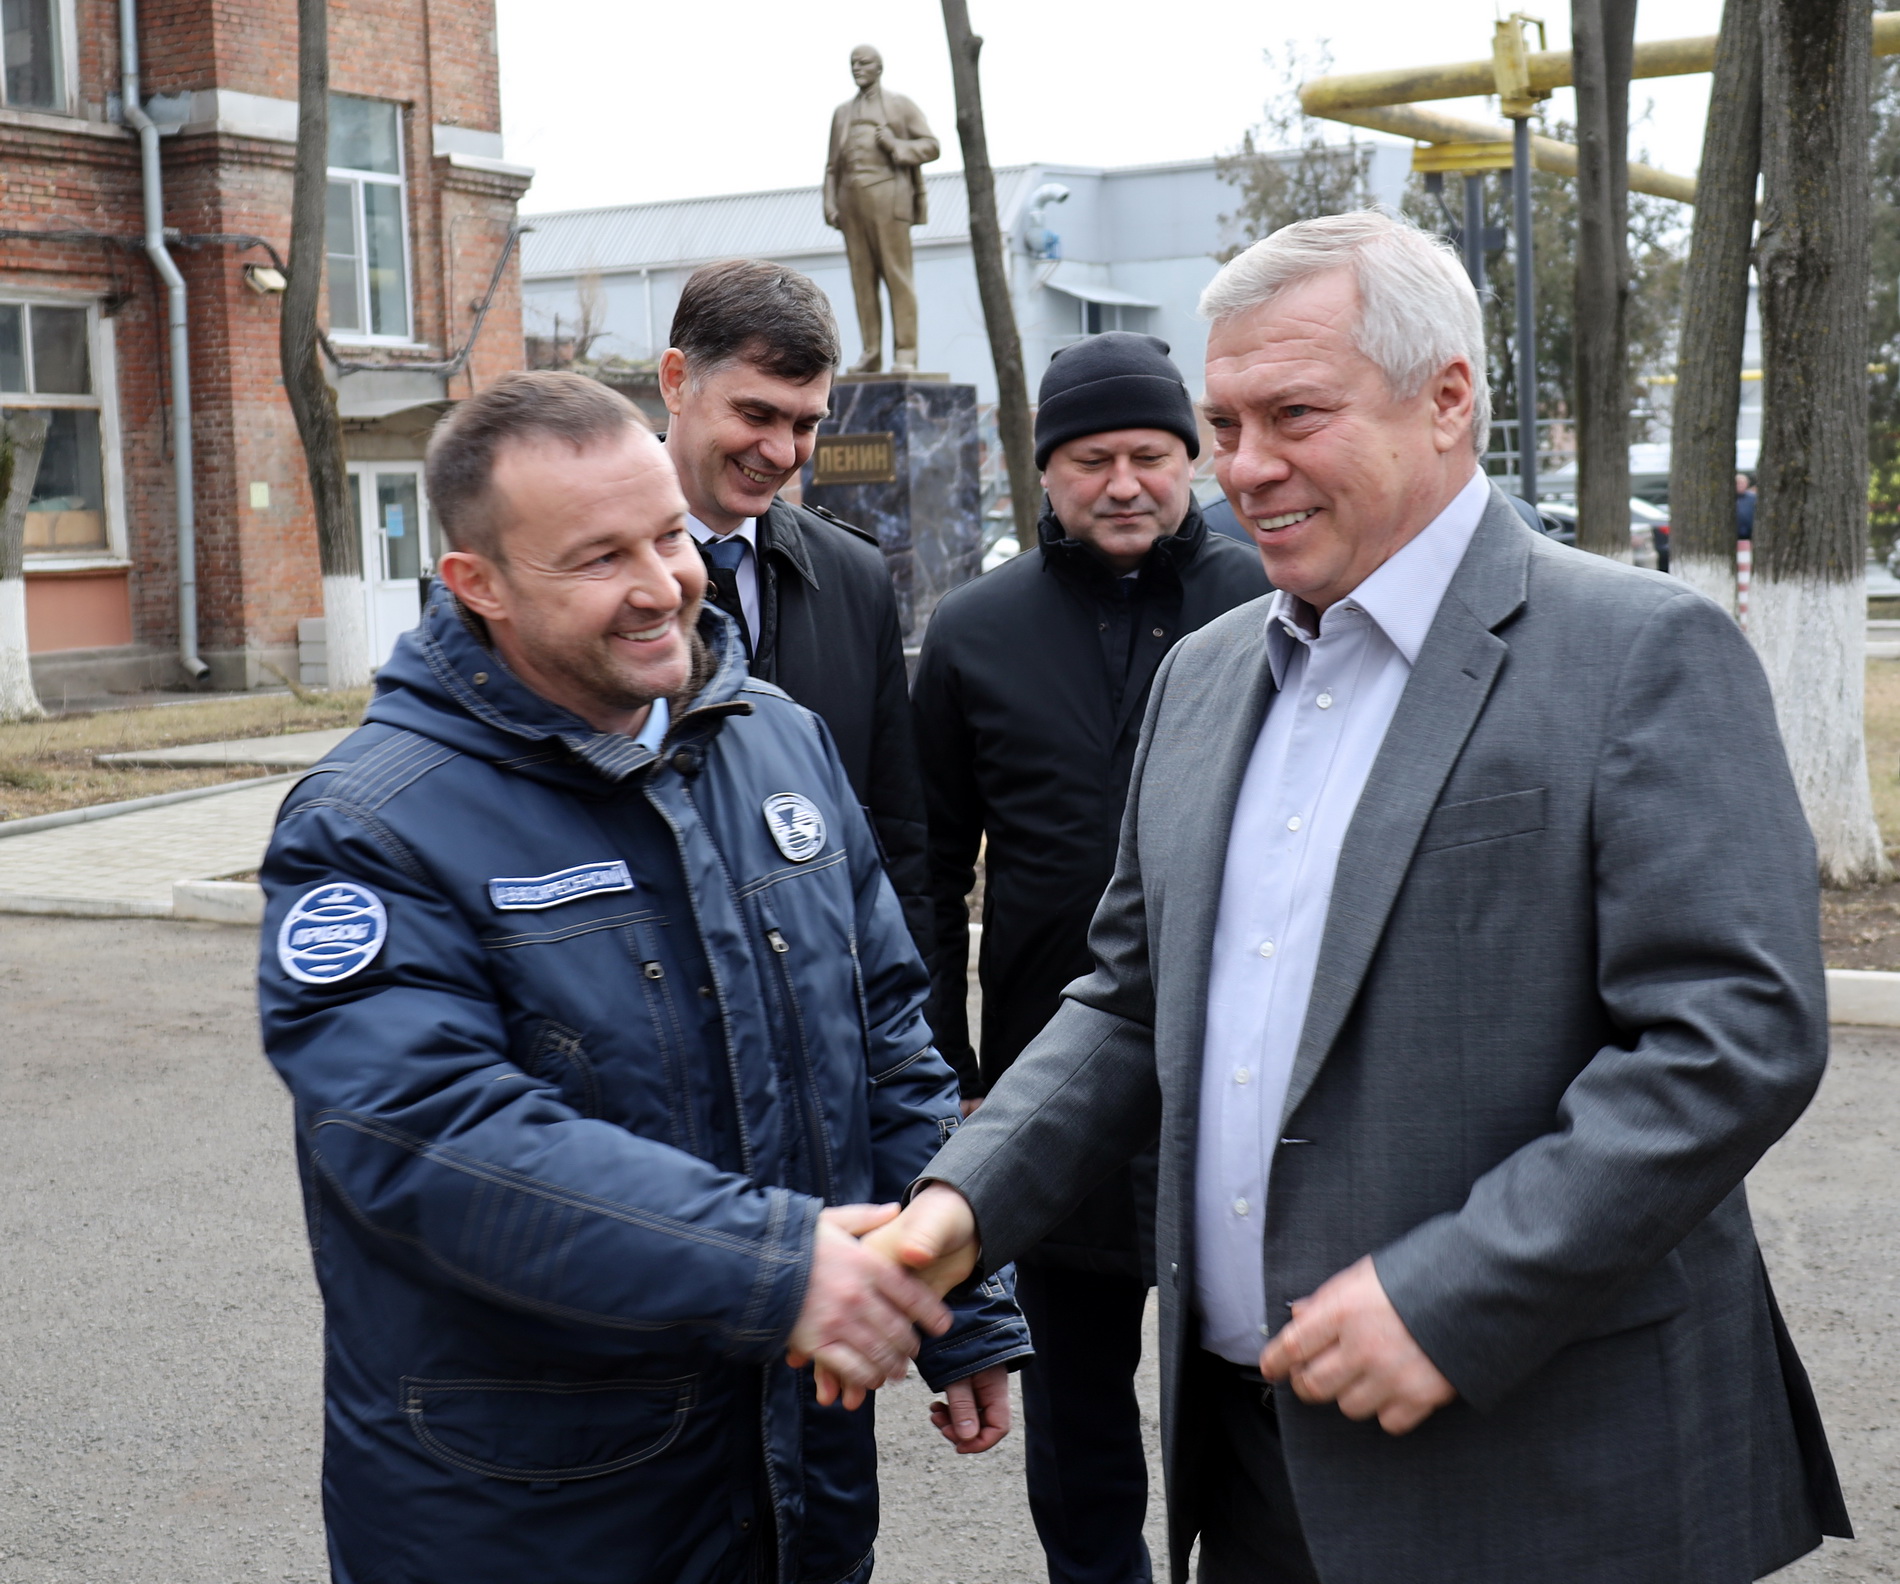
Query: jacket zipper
x=748, y=1161
x=804, y=1087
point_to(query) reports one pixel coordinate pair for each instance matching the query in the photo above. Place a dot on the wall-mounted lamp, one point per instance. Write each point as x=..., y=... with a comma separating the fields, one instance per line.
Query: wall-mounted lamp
x=265, y=279
x=1037, y=237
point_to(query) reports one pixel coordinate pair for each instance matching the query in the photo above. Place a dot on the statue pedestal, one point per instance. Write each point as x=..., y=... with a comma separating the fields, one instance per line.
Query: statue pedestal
x=898, y=458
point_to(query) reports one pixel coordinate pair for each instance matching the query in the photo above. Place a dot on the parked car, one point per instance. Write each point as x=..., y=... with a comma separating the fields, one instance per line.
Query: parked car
x=1649, y=529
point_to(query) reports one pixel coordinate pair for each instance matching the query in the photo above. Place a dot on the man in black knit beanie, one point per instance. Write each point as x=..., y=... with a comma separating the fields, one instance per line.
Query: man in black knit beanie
x=1123, y=569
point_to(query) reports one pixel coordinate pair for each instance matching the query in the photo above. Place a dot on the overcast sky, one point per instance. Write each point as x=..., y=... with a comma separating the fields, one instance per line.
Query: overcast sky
x=615, y=102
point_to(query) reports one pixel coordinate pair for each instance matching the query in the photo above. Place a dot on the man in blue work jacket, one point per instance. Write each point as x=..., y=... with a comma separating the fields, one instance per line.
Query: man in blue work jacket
x=605, y=1037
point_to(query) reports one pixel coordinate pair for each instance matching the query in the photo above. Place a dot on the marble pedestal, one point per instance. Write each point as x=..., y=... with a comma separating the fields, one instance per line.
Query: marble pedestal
x=902, y=463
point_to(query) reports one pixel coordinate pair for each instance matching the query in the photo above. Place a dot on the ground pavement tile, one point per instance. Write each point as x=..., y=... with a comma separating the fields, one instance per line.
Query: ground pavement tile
x=129, y=861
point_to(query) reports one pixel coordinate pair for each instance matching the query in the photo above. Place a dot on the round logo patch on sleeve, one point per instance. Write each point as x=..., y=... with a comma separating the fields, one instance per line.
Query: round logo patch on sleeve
x=332, y=932
x=796, y=825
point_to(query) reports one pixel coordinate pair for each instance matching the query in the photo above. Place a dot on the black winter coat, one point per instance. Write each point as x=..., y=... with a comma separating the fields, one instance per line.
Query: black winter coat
x=1028, y=700
x=829, y=637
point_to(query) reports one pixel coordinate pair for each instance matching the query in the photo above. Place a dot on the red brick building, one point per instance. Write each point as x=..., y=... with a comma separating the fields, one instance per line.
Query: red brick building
x=421, y=216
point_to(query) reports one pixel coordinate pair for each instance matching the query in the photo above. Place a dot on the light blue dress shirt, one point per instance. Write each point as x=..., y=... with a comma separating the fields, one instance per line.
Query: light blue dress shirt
x=653, y=733
x=1338, y=682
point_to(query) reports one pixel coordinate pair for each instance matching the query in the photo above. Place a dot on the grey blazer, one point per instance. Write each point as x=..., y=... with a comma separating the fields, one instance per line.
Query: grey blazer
x=1570, y=990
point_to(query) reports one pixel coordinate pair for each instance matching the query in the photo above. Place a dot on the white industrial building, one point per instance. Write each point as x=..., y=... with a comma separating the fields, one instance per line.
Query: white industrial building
x=1088, y=249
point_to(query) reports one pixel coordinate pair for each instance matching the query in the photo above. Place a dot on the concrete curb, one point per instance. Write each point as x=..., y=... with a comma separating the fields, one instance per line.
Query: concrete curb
x=1861, y=996
x=83, y=907
x=99, y=811
x=225, y=902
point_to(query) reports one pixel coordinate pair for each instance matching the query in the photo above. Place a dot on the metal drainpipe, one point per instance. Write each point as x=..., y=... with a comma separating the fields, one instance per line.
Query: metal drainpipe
x=162, y=261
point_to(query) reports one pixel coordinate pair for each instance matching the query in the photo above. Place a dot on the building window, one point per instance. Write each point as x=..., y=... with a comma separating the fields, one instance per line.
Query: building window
x=1098, y=317
x=33, y=55
x=46, y=366
x=366, y=232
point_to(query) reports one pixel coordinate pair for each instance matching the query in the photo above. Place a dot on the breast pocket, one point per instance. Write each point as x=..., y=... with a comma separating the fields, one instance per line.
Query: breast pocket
x=1483, y=820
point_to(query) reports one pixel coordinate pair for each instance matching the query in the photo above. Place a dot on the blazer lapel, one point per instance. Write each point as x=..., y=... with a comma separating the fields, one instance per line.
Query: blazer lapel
x=1445, y=695
x=1221, y=721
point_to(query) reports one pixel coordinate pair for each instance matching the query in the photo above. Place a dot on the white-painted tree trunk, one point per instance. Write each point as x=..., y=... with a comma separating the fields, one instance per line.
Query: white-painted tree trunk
x=18, y=700
x=1811, y=635
x=345, y=631
x=1711, y=577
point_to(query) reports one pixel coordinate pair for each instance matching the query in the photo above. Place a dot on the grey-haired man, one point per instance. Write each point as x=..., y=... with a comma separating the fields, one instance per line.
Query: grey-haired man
x=1460, y=1041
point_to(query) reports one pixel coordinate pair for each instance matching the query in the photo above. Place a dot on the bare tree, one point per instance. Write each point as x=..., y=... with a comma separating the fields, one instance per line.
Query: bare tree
x=1715, y=316
x=592, y=323
x=992, y=277
x=312, y=401
x=1602, y=42
x=1289, y=167
x=22, y=439
x=1807, y=604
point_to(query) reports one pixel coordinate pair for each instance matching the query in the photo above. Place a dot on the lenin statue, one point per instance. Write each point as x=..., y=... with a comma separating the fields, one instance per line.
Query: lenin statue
x=874, y=193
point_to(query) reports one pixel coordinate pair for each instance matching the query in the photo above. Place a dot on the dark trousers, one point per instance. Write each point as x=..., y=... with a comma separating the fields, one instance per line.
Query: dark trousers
x=1087, y=1470
x=1250, y=1529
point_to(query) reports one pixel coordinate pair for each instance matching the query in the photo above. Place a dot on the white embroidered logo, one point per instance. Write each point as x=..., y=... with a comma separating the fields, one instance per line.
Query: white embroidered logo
x=332, y=932
x=796, y=825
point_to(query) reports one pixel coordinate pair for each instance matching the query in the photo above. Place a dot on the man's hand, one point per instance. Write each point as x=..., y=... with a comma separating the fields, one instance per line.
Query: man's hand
x=1347, y=1344
x=975, y=1414
x=834, y=219
x=935, y=1237
x=861, y=1308
x=970, y=1105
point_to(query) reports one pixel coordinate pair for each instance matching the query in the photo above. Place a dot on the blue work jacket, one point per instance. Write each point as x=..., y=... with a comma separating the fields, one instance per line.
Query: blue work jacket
x=582, y=1033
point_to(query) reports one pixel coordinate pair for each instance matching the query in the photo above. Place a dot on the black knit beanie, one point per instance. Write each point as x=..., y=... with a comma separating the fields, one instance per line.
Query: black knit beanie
x=1118, y=380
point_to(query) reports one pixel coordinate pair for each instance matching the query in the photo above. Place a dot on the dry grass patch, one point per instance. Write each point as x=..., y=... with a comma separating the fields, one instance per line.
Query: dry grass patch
x=47, y=766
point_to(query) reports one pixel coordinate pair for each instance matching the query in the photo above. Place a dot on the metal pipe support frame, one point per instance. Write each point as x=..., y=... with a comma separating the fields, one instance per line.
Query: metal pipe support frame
x=1388, y=101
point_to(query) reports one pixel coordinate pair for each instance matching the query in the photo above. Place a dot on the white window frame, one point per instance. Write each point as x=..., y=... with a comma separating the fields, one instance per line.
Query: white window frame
x=102, y=348
x=66, y=25
x=400, y=181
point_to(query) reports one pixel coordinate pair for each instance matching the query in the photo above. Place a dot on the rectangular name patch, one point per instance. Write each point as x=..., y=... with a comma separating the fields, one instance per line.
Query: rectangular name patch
x=544, y=891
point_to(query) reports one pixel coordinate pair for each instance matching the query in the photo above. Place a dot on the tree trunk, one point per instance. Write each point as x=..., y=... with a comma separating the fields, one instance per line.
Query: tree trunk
x=1602, y=41
x=1807, y=603
x=992, y=280
x=339, y=545
x=22, y=439
x=1715, y=316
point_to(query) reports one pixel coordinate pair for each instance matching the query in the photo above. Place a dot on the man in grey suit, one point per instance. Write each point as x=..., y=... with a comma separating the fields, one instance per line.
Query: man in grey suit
x=1463, y=947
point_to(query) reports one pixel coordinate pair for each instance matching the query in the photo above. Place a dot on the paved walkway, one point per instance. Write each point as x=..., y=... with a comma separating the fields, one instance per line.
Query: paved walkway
x=161, y=1348
x=126, y=865
x=288, y=751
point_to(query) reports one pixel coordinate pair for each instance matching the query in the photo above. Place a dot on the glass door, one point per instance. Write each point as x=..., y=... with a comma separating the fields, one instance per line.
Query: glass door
x=392, y=513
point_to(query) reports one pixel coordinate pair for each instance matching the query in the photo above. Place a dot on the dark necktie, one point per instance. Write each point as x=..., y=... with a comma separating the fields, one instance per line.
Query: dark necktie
x=723, y=559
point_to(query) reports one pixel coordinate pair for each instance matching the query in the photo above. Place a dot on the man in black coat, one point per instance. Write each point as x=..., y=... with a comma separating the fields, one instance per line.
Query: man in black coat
x=746, y=381
x=1029, y=700
x=1221, y=518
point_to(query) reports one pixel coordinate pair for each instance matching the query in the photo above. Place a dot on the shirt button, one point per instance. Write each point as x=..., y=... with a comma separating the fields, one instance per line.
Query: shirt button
x=1241, y=1075
x=1159, y=633
x=1266, y=948
x=1294, y=823
x=1324, y=701
x=1240, y=1207
x=1266, y=1330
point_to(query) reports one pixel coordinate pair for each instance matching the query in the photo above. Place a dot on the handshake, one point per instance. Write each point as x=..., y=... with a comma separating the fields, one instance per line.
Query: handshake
x=877, y=1275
